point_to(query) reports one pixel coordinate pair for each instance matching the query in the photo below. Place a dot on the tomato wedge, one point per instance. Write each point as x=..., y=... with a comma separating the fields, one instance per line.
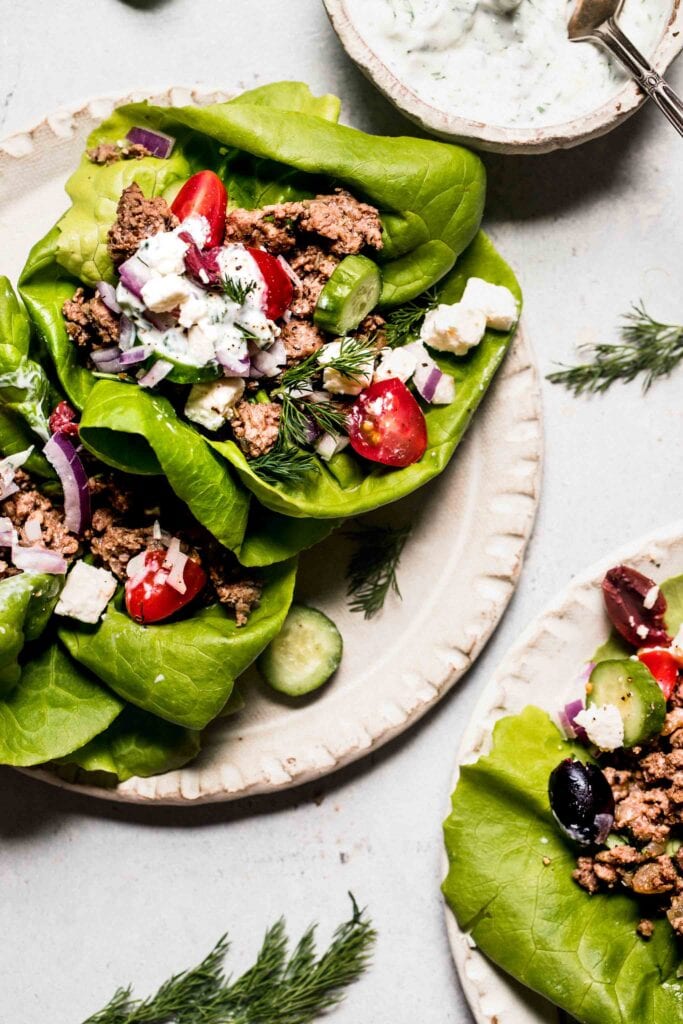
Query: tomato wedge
x=150, y=598
x=386, y=424
x=204, y=193
x=279, y=287
x=663, y=667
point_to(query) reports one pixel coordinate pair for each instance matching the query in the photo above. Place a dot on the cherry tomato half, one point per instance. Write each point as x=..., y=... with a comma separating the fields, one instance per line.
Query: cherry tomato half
x=663, y=666
x=386, y=425
x=149, y=598
x=279, y=287
x=204, y=193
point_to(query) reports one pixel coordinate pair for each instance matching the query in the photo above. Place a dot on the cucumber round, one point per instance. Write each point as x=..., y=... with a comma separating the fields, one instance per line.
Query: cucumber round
x=351, y=293
x=632, y=688
x=186, y=373
x=304, y=654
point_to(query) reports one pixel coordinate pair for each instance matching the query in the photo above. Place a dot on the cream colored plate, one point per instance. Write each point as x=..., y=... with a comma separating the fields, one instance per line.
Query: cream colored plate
x=542, y=669
x=457, y=574
x=450, y=125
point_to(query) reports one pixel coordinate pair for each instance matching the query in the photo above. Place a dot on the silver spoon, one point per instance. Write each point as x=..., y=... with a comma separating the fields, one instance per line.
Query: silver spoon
x=595, y=21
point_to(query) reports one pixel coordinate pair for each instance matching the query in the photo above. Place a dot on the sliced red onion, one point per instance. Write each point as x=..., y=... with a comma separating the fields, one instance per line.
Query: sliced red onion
x=100, y=356
x=7, y=534
x=107, y=293
x=156, y=374
x=329, y=445
x=234, y=364
x=568, y=720
x=126, y=333
x=291, y=274
x=38, y=560
x=61, y=454
x=426, y=379
x=134, y=275
x=201, y=264
x=175, y=561
x=268, y=362
x=8, y=490
x=33, y=530
x=136, y=355
x=158, y=143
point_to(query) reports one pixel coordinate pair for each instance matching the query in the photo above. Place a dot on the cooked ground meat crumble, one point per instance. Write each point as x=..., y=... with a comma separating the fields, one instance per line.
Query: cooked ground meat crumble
x=111, y=153
x=137, y=218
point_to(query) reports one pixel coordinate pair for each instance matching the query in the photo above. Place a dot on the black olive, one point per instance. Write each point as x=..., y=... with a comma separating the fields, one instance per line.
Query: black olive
x=582, y=801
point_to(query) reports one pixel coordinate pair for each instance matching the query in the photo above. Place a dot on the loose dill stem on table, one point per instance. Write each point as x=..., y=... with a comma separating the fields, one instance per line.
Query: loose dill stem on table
x=280, y=988
x=371, y=572
x=648, y=347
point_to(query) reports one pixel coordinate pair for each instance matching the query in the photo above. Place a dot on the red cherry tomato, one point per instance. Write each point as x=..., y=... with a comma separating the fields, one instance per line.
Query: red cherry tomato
x=279, y=287
x=204, y=193
x=63, y=420
x=663, y=666
x=149, y=598
x=386, y=424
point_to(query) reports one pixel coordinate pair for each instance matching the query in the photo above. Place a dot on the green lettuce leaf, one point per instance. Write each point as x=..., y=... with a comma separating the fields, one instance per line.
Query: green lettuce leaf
x=56, y=707
x=134, y=744
x=530, y=918
x=129, y=428
x=181, y=671
x=26, y=605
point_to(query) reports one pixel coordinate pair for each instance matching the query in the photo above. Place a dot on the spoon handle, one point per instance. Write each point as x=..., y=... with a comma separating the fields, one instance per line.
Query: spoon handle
x=645, y=75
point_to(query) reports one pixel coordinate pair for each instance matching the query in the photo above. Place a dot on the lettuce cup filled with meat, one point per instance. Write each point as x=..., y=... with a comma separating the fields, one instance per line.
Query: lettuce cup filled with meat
x=125, y=621
x=316, y=304
x=565, y=841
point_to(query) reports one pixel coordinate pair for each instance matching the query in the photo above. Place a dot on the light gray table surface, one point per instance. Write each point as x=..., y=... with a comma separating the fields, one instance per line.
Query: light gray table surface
x=94, y=894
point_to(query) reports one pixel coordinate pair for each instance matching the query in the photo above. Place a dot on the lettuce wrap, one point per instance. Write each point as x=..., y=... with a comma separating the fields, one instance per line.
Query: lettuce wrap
x=276, y=144
x=510, y=882
x=64, y=685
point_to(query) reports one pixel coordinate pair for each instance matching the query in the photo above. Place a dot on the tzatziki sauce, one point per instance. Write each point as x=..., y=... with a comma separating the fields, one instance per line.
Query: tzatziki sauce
x=502, y=62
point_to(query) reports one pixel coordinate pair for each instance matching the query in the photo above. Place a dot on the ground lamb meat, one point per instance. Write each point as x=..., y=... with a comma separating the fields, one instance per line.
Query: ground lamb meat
x=137, y=218
x=347, y=224
x=114, y=544
x=255, y=427
x=110, y=153
x=271, y=227
x=30, y=506
x=645, y=928
x=241, y=596
x=371, y=329
x=88, y=321
x=314, y=267
x=644, y=813
x=301, y=339
x=656, y=877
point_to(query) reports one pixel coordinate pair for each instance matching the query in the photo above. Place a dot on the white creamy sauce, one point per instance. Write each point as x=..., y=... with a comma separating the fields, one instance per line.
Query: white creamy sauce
x=504, y=62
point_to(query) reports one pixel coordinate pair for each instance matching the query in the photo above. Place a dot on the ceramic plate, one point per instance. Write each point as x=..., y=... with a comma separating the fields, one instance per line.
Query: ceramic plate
x=555, y=646
x=457, y=574
x=446, y=123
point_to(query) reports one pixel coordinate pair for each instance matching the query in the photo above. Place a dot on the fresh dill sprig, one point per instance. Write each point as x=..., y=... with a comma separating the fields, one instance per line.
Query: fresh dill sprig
x=352, y=361
x=403, y=323
x=237, y=291
x=371, y=572
x=647, y=347
x=284, y=464
x=281, y=988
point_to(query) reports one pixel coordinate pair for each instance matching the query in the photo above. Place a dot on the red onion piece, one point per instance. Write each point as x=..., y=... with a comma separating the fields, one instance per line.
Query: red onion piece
x=100, y=356
x=7, y=533
x=162, y=321
x=158, y=143
x=291, y=274
x=568, y=719
x=63, y=457
x=426, y=380
x=201, y=264
x=107, y=293
x=126, y=333
x=38, y=560
x=134, y=275
x=329, y=445
x=8, y=467
x=233, y=364
x=268, y=362
x=136, y=355
x=156, y=374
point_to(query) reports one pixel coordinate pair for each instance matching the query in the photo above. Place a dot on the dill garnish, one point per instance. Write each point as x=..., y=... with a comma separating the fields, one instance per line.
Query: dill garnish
x=237, y=291
x=403, y=323
x=647, y=347
x=284, y=464
x=352, y=361
x=281, y=988
x=371, y=572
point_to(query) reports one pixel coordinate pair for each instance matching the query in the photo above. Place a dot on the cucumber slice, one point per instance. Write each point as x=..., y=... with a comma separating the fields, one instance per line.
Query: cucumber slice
x=304, y=654
x=351, y=293
x=632, y=688
x=186, y=373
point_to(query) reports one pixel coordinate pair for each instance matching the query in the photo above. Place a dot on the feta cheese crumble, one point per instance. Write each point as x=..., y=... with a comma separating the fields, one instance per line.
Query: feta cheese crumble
x=337, y=383
x=397, y=363
x=210, y=405
x=456, y=328
x=87, y=593
x=604, y=726
x=495, y=301
x=650, y=599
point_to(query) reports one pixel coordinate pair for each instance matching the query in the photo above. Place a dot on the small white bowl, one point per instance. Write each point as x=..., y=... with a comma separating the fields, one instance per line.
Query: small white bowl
x=494, y=137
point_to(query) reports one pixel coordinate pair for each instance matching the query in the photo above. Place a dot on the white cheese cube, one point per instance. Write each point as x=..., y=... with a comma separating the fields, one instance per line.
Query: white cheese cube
x=495, y=301
x=456, y=328
x=396, y=363
x=162, y=294
x=87, y=593
x=211, y=405
x=604, y=726
x=164, y=253
x=337, y=383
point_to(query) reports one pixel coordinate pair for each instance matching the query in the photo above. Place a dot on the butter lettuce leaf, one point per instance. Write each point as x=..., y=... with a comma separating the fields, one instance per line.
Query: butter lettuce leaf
x=26, y=605
x=56, y=707
x=181, y=671
x=579, y=951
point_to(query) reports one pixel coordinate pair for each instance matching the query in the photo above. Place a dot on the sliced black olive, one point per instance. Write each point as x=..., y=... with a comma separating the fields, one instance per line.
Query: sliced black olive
x=581, y=801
